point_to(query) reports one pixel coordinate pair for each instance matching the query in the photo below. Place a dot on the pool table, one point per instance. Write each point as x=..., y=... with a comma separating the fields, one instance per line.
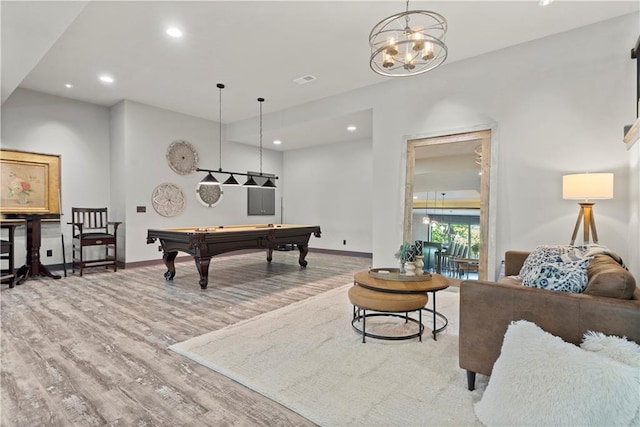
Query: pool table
x=204, y=242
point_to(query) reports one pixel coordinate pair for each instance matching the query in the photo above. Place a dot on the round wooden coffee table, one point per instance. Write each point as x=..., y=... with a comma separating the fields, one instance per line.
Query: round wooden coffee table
x=398, y=284
x=385, y=304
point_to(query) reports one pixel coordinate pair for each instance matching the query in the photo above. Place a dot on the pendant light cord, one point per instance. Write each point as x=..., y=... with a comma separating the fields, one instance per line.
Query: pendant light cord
x=220, y=87
x=260, y=100
x=406, y=16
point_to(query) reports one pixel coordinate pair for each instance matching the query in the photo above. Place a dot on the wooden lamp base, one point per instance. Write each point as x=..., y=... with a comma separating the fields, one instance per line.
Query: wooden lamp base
x=589, y=223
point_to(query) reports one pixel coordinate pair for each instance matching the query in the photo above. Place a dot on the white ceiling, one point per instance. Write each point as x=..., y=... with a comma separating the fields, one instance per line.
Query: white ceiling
x=256, y=48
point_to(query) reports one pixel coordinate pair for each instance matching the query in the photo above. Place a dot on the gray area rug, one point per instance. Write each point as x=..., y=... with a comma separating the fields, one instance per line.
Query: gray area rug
x=307, y=357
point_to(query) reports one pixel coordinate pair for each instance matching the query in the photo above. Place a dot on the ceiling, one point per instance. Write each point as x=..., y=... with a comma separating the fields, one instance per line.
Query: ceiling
x=257, y=49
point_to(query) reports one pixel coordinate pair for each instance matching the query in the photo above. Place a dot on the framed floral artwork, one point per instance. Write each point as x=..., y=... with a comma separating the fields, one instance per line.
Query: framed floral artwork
x=29, y=182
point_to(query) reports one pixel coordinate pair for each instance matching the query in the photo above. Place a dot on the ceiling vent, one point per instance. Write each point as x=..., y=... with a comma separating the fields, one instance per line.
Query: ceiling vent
x=305, y=79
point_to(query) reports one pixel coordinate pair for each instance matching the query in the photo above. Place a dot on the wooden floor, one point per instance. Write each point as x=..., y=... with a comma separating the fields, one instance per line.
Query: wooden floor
x=92, y=350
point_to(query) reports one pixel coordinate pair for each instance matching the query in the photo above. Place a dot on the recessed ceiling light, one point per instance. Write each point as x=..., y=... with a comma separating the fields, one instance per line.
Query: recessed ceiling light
x=545, y=2
x=174, y=32
x=106, y=78
x=277, y=142
x=351, y=128
x=68, y=85
x=305, y=79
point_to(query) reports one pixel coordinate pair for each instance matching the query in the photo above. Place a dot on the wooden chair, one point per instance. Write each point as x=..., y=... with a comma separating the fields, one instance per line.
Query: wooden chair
x=7, y=252
x=446, y=257
x=90, y=228
x=455, y=256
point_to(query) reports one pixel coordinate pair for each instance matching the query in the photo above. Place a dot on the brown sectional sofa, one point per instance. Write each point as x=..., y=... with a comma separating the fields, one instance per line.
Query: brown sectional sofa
x=610, y=304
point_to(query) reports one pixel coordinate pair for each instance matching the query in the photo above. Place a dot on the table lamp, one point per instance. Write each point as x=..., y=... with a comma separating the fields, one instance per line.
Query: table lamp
x=587, y=187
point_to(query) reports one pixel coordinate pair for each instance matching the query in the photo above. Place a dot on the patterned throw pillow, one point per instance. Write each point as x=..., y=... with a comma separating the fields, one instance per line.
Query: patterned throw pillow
x=544, y=254
x=558, y=276
x=541, y=255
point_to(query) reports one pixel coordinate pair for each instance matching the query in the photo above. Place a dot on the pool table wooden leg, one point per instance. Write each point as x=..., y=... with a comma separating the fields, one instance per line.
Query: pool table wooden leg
x=202, y=263
x=168, y=258
x=269, y=254
x=304, y=250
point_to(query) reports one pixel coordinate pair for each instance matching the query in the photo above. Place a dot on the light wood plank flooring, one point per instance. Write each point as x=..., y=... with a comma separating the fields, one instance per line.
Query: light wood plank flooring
x=92, y=350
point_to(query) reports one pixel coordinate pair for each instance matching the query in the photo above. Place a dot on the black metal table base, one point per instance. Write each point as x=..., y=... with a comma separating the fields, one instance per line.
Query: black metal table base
x=360, y=314
x=433, y=311
x=435, y=331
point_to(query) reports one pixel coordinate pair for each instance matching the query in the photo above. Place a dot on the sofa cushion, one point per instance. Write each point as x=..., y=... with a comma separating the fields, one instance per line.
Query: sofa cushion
x=606, y=273
x=511, y=280
x=607, y=278
x=558, y=276
x=513, y=261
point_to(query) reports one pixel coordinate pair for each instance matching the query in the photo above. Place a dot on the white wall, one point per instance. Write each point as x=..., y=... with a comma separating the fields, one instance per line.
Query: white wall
x=79, y=132
x=330, y=186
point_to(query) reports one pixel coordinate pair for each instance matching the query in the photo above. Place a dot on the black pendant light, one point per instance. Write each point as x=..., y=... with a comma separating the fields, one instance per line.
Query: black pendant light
x=231, y=181
x=250, y=182
x=209, y=179
x=269, y=184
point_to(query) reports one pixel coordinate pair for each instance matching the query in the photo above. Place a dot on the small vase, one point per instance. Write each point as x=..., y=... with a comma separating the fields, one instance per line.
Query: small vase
x=419, y=264
x=410, y=269
x=402, y=267
x=418, y=245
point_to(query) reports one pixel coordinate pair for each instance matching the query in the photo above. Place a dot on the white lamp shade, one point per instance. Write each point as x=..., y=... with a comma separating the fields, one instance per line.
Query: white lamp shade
x=585, y=186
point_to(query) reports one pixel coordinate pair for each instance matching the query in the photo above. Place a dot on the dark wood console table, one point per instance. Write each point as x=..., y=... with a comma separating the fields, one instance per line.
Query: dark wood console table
x=33, y=266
